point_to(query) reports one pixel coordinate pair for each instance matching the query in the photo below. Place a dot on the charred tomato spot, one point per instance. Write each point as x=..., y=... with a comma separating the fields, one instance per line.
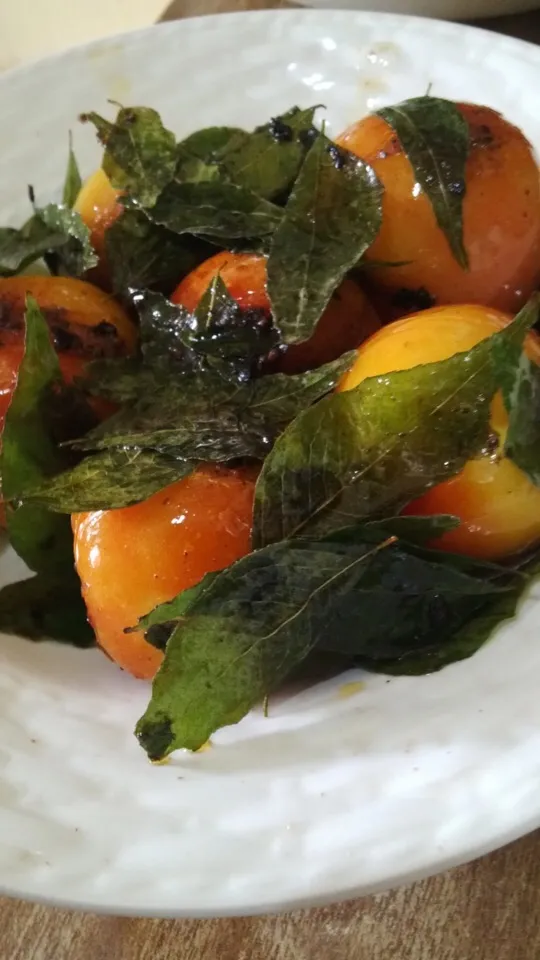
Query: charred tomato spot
x=413, y=300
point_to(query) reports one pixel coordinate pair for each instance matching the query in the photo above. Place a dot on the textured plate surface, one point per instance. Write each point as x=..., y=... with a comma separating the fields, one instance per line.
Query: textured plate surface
x=344, y=789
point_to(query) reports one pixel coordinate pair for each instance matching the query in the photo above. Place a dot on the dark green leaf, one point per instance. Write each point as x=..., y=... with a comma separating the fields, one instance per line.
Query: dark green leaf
x=207, y=419
x=73, y=181
x=231, y=339
x=29, y=454
x=521, y=393
x=268, y=160
x=41, y=608
x=41, y=236
x=418, y=530
x=411, y=599
x=76, y=255
x=364, y=452
x=243, y=635
x=140, y=153
x=214, y=208
x=471, y=632
x=120, y=379
x=160, y=622
x=196, y=155
x=109, y=480
x=435, y=137
x=332, y=216
x=140, y=254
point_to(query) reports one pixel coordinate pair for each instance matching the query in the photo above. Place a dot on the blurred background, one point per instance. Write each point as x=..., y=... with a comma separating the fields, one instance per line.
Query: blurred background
x=33, y=28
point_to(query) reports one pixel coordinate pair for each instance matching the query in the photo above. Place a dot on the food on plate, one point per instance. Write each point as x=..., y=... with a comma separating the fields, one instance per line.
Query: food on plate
x=199, y=524
x=212, y=429
x=347, y=320
x=97, y=203
x=498, y=265
x=498, y=506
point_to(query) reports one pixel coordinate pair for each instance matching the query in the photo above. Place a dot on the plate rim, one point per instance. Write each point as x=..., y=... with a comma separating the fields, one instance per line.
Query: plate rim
x=276, y=906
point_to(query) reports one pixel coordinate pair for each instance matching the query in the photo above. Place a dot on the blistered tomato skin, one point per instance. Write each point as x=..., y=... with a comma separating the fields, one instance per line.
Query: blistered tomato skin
x=501, y=218
x=497, y=504
x=131, y=560
x=348, y=319
x=82, y=318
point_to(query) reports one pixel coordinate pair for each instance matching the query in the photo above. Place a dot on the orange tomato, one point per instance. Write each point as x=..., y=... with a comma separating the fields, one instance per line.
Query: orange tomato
x=499, y=507
x=346, y=322
x=132, y=559
x=97, y=204
x=501, y=218
x=82, y=318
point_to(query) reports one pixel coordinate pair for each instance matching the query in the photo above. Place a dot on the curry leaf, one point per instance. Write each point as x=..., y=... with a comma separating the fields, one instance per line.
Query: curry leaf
x=207, y=419
x=52, y=231
x=435, y=137
x=140, y=254
x=72, y=181
x=196, y=155
x=76, y=255
x=29, y=453
x=243, y=635
x=214, y=208
x=332, y=216
x=372, y=449
x=140, y=153
x=472, y=629
x=268, y=160
x=107, y=481
x=414, y=600
x=521, y=392
x=43, y=607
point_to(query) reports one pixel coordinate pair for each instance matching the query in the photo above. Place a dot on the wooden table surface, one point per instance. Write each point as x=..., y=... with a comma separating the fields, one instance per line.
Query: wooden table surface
x=486, y=910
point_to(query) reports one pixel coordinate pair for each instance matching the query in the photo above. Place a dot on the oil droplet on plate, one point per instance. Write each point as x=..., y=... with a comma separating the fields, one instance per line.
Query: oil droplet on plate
x=347, y=690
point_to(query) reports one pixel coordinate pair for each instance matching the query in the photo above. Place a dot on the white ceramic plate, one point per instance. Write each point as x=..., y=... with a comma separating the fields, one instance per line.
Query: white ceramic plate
x=447, y=9
x=344, y=789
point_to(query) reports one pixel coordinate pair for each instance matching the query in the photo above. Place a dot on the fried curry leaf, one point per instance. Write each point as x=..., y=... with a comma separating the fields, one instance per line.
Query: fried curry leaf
x=43, y=607
x=53, y=232
x=107, y=481
x=332, y=216
x=207, y=419
x=214, y=208
x=369, y=450
x=243, y=635
x=72, y=181
x=29, y=453
x=140, y=153
x=140, y=254
x=521, y=393
x=472, y=630
x=435, y=137
x=413, y=599
x=268, y=160
x=76, y=255
x=196, y=155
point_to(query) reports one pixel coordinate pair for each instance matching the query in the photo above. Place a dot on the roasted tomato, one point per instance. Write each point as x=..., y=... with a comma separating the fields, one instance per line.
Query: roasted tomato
x=82, y=318
x=98, y=206
x=501, y=218
x=346, y=322
x=499, y=507
x=131, y=560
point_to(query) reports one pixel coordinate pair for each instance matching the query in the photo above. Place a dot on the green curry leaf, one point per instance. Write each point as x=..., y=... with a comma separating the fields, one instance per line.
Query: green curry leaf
x=140, y=153
x=332, y=216
x=435, y=137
